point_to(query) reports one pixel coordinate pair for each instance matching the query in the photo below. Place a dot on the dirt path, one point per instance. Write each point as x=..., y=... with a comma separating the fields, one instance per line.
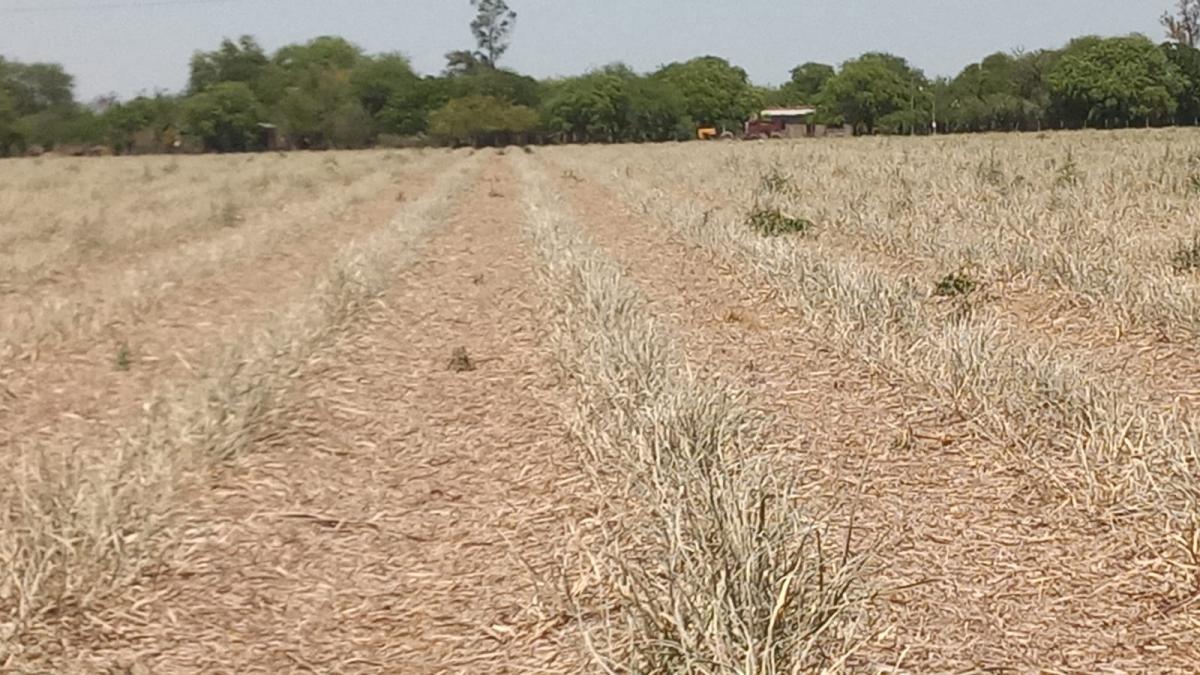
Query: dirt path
x=400, y=521
x=993, y=576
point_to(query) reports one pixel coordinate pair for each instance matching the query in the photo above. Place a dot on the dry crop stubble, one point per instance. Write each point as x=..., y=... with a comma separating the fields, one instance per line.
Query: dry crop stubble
x=1099, y=215
x=1133, y=465
x=81, y=522
x=1029, y=393
x=702, y=559
x=86, y=298
x=112, y=207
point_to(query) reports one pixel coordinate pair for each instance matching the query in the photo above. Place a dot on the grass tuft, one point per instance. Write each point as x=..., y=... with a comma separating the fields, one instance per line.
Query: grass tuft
x=773, y=222
x=1186, y=258
x=124, y=357
x=955, y=284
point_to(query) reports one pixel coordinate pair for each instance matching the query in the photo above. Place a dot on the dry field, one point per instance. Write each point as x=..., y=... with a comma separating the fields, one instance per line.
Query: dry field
x=878, y=405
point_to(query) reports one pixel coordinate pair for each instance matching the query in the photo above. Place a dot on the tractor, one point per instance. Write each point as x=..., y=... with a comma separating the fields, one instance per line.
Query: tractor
x=712, y=133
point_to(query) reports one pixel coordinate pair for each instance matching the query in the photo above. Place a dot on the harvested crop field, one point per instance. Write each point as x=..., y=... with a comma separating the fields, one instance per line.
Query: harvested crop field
x=876, y=405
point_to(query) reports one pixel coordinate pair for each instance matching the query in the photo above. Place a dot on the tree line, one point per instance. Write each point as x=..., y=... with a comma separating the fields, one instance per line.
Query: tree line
x=329, y=93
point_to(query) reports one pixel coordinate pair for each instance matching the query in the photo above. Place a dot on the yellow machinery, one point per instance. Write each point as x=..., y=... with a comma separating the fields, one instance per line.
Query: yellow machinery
x=706, y=133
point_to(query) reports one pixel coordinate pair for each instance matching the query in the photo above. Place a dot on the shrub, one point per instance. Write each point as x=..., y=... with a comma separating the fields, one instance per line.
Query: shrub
x=955, y=284
x=772, y=222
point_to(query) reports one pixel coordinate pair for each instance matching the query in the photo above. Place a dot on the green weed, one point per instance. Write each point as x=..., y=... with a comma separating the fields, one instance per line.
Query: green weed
x=772, y=222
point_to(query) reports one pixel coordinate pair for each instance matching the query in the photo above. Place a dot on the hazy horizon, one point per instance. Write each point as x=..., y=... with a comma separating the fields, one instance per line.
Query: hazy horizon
x=137, y=46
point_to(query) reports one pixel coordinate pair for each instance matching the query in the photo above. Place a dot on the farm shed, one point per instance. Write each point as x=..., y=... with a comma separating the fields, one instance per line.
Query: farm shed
x=790, y=122
x=794, y=122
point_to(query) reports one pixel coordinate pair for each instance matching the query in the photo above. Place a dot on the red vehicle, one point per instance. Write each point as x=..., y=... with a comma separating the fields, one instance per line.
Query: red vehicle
x=763, y=128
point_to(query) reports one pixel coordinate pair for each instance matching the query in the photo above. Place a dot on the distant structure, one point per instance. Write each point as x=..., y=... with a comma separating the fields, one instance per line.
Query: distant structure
x=793, y=122
x=269, y=137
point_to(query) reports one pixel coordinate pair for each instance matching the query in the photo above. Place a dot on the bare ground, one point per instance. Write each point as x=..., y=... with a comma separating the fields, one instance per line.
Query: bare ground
x=404, y=513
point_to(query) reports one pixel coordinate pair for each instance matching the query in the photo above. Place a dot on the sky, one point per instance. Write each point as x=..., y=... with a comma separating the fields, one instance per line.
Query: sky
x=128, y=47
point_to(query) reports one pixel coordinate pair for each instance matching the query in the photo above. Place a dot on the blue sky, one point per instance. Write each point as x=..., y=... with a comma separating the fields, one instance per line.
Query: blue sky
x=113, y=47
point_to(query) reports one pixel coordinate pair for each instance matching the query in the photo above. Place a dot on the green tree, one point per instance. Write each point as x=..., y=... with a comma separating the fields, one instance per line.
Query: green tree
x=492, y=27
x=657, y=111
x=876, y=90
x=240, y=61
x=714, y=92
x=40, y=108
x=481, y=120
x=1187, y=61
x=396, y=98
x=407, y=111
x=312, y=84
x=1031, y=71
x=36, y=87
x=377, y=80
x=351, y=126
x=148, y=122
x=593, y=107
x=319, y=54
x=615, y=104
x=1115, y=82
x=10, y=137
x=806, y=84
x=990, y=95
x=224, y=117
x=496, y=83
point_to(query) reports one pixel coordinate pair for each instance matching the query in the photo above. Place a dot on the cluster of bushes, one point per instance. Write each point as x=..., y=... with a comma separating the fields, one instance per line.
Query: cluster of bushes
x=328, y=93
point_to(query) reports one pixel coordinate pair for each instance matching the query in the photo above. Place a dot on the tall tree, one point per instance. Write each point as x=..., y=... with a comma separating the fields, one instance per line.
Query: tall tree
x=315, y=90
x=1187, y=61
x=378, y=79
x=715, y=92
x=224, y=117
x=35, y=87
x=1115, y=82
x=493, y=26
x=1183, y=26
x=876, y=90
x=241, y=61
x=807, y=81
x=991, y=95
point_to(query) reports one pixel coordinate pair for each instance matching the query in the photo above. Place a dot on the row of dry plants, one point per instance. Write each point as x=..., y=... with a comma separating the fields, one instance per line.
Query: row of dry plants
x=91, y=503
x=1044, y=287
x=700, y=557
